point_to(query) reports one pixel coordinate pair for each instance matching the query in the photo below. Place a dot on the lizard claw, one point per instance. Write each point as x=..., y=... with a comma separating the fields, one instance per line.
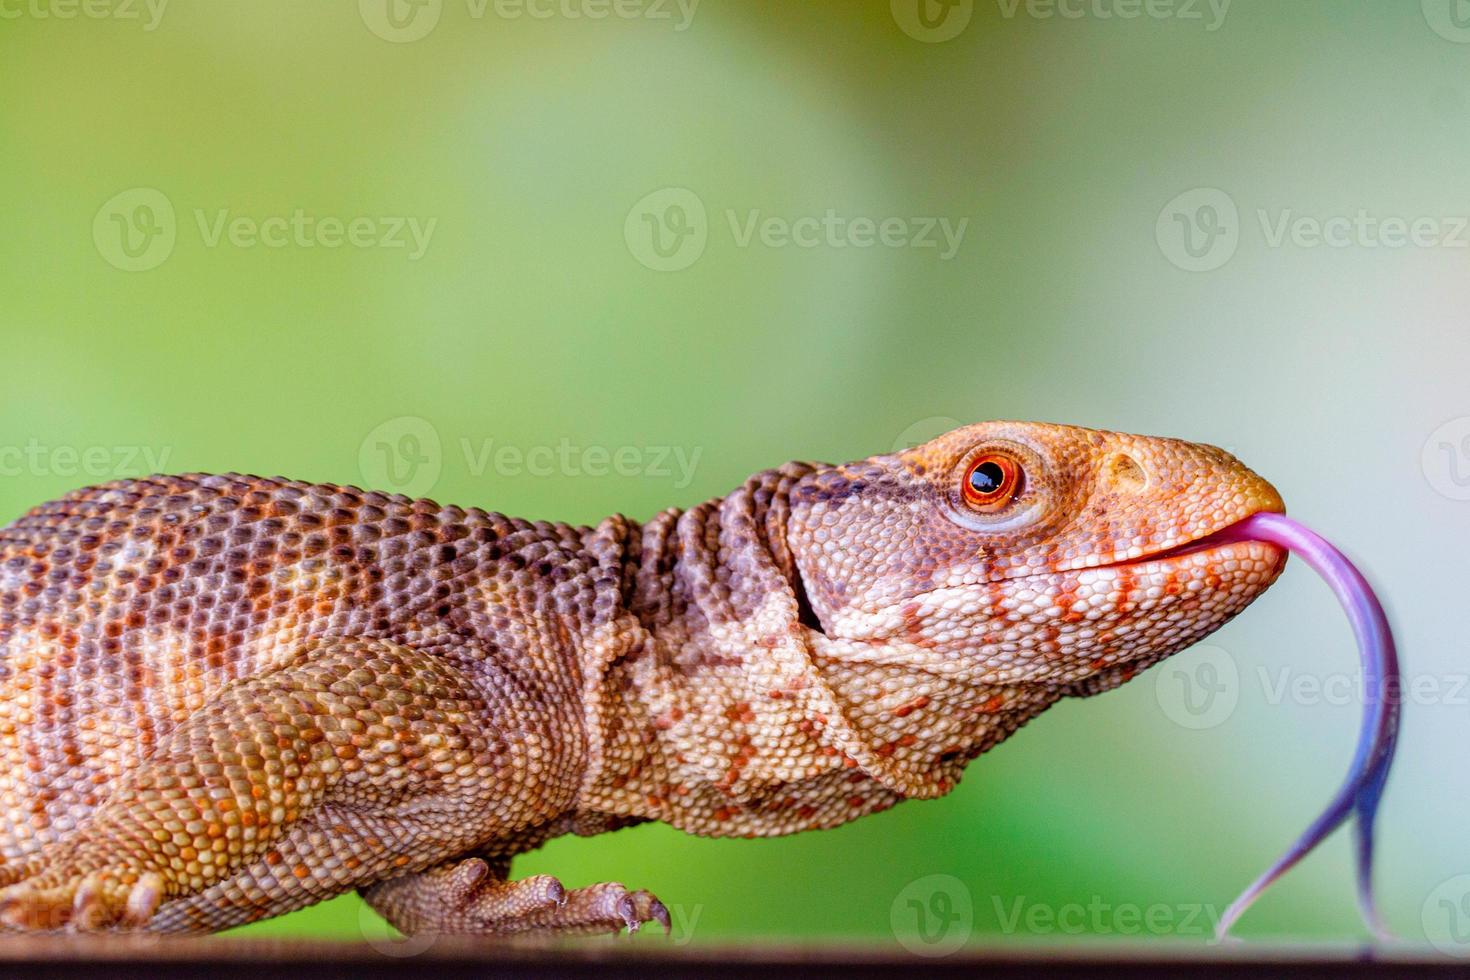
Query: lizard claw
x=473, y=895
x=628, y=912
x=605, y=908
x=612, y=907
x=143, y=900
x=642, y=907
x=660, y=914
x=88, y=908
x=87, y=903
x=465, y=881
x=29, y=907
x=21, y=913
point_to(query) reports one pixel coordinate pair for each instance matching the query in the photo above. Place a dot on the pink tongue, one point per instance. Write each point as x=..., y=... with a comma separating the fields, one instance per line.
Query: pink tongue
x=1361, y=791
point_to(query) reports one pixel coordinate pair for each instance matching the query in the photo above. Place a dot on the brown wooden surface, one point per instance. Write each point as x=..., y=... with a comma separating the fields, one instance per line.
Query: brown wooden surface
x=136, y=958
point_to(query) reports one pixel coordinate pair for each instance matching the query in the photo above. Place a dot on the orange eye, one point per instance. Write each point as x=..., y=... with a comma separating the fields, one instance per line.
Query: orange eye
x=991, y=481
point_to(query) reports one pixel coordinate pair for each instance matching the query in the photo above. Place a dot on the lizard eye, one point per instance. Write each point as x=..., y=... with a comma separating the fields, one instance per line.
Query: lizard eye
x=991, y=481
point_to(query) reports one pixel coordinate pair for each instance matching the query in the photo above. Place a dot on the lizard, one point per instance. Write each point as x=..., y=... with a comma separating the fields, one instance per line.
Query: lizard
x=225, y=697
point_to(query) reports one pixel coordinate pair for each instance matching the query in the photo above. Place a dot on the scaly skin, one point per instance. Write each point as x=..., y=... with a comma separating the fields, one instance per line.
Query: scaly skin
x=223, y=697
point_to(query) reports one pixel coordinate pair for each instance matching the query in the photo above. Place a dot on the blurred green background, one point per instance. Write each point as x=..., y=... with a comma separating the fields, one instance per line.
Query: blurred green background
x=714, y=234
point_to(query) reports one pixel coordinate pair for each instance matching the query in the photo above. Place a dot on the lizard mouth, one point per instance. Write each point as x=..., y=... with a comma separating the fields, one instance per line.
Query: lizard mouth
x=1217, y=540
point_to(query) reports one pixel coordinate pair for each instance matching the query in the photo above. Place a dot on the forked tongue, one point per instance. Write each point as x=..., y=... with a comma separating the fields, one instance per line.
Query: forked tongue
x=1363, y=787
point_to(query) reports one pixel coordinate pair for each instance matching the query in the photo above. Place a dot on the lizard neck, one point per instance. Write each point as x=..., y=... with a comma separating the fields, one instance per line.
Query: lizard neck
x=725, y=711
x=720, y=561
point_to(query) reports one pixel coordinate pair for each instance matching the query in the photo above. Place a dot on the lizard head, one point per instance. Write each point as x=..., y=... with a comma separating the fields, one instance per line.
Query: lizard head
x=1017, y=553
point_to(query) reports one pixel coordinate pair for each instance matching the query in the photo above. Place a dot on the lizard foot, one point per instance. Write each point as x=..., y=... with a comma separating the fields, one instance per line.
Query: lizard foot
x=473, y=897
x=85, y=903
x=476, y=897
x=606, y=907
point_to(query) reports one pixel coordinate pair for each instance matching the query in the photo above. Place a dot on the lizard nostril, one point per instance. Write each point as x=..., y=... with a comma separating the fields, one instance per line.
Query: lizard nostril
x=1126, y=473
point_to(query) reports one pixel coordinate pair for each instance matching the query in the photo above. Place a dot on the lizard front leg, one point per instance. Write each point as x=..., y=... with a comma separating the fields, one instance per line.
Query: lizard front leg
x=473, y=896
x=357, y=760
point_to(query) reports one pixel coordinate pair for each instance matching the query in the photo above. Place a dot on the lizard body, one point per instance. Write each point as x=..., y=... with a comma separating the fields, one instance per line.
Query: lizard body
x=224, y=697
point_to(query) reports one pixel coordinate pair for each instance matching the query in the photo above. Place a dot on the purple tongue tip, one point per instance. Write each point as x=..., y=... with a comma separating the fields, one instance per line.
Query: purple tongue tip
x=1363, y=787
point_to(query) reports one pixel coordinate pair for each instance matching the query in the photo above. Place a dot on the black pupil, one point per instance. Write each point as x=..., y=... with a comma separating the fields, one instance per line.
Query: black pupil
x=987, y=478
